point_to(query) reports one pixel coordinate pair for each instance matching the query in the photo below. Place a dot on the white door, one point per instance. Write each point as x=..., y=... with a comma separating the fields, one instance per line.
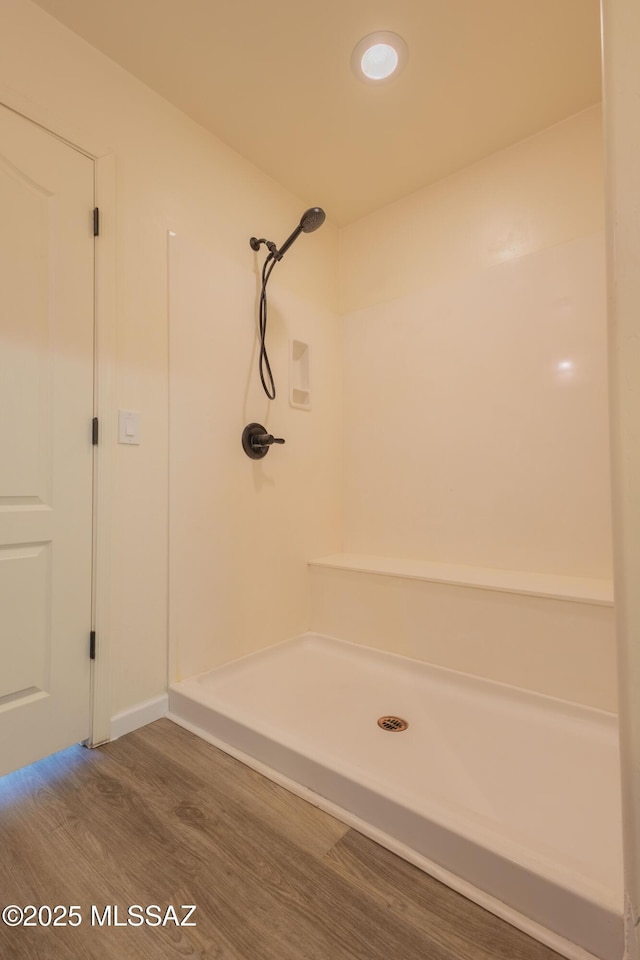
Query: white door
x=46, y=461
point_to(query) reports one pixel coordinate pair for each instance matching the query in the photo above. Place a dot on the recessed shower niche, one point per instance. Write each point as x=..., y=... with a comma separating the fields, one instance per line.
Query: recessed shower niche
x=299, y=375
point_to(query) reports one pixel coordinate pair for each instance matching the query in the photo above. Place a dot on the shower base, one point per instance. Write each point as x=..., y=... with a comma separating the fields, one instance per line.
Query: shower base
x=508, y=796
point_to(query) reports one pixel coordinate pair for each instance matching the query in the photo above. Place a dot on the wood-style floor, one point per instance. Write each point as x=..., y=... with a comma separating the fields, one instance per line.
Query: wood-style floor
x=160, y=817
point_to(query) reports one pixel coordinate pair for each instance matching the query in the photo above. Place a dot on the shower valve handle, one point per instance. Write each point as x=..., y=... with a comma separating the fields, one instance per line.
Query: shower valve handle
x=256, y=441
x=264, y=440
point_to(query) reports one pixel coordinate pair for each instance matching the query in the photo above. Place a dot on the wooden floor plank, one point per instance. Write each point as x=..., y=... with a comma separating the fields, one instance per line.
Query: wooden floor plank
x=161, y=817
x=282, y=811
x=443, y=916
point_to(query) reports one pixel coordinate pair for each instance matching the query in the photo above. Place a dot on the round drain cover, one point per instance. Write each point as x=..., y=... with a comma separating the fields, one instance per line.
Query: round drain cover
x=393, y=724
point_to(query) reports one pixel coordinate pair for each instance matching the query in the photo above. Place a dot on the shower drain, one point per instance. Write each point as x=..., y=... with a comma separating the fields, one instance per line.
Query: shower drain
x=393, y=724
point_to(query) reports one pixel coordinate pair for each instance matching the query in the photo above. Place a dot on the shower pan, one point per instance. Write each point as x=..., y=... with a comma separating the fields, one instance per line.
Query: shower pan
x=508, y=796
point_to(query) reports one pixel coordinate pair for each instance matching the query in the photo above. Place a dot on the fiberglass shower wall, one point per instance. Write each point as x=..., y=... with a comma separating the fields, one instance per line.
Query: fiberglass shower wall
x=242, y=530
x=475, y=348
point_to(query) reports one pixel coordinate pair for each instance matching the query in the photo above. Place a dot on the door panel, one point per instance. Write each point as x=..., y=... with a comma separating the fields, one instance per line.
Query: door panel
x=46, y=459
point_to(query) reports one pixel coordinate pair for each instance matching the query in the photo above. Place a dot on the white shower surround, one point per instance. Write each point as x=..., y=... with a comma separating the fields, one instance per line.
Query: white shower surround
x=509, y=796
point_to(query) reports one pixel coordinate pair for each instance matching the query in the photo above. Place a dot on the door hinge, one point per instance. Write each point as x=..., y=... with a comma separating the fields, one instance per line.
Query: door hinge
x=96, y=222
x=92, y=645
x=94, y=431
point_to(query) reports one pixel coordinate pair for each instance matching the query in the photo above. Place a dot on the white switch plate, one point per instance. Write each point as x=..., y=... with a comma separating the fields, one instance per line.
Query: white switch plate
x=128, y=426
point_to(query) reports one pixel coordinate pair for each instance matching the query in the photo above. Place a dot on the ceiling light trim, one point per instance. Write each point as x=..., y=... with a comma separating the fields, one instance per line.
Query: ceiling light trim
x=381, y=37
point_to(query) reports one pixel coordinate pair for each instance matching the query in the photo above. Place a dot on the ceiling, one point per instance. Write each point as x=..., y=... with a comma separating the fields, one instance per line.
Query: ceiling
x=272, y=79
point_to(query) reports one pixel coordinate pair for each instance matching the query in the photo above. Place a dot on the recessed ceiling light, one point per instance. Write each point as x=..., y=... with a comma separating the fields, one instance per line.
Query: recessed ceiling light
x=379, y=56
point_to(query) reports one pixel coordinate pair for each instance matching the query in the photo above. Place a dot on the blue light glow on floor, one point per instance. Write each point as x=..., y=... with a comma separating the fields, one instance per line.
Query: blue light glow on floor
x=16, y=786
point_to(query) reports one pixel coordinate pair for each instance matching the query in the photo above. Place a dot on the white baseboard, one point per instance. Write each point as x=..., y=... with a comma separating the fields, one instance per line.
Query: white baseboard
x=139, y=716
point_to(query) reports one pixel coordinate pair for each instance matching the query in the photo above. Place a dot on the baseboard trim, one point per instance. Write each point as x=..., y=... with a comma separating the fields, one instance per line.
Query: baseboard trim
x=139, y=716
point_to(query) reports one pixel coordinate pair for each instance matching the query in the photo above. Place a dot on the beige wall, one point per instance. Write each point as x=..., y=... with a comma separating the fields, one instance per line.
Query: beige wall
x=540, y=192
x=171, y=174
x=475, y=365
x=476, y=417
x=242, y=530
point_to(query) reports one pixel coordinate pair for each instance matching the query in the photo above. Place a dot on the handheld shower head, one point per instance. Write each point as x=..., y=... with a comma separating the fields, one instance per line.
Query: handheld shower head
x=312, y=219
x=309, y=221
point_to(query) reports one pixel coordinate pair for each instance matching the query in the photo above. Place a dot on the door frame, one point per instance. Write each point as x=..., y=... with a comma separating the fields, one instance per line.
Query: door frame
x=621, y=88
x=103, y=390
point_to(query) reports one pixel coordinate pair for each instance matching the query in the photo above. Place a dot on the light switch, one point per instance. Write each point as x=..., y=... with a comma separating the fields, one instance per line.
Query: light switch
x=128, y=426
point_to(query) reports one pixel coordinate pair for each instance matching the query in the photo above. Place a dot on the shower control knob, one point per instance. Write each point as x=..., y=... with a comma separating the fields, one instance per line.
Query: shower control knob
x=256, y=441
